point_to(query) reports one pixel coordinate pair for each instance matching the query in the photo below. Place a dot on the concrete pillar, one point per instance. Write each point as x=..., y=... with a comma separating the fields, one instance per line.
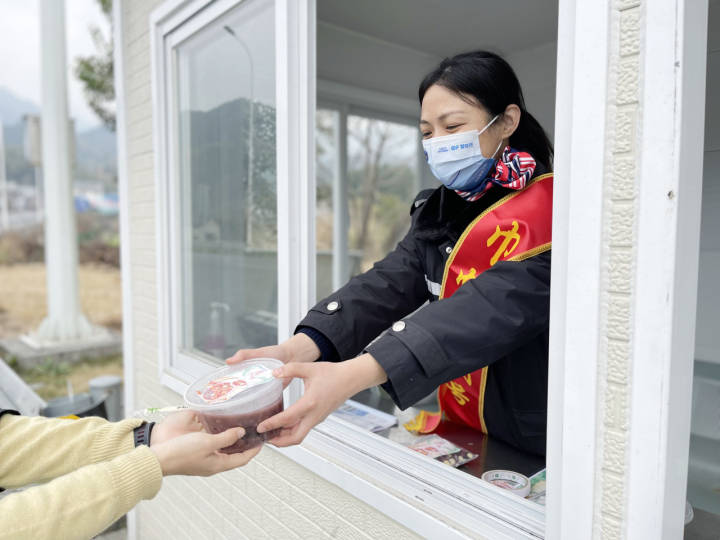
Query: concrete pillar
x=64, y=322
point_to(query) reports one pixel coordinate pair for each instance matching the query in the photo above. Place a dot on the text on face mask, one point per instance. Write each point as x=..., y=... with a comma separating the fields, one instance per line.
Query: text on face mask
x=455, y=147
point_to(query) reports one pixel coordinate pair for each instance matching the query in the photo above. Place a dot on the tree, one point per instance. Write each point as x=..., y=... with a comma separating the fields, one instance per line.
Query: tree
x=96, y=72
x=381, y=180
x=373, y=141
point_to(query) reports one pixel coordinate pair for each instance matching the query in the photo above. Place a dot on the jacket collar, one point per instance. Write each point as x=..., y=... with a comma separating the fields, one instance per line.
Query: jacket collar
x=446, y=215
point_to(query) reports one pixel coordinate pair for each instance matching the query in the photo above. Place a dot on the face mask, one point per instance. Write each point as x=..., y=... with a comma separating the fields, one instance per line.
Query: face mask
x=457, y=161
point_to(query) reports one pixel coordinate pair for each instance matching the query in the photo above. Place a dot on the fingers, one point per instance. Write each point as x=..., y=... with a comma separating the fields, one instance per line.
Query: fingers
x=226, y=438
x=294, y=435
x=294, y=370
x=239, y=356
x=288, y=417
x=247, y=354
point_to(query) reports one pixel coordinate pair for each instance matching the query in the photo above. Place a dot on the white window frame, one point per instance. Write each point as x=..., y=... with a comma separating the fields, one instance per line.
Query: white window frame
x=170, y=25
x=433, y=496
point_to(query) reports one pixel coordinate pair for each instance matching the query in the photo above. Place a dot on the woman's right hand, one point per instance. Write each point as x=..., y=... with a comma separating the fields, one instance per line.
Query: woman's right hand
x=299, y=348
x=198, y=454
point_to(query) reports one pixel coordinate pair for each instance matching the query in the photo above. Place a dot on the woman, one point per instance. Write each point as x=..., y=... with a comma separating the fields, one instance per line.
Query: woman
x=96, y=471
x=478, y=250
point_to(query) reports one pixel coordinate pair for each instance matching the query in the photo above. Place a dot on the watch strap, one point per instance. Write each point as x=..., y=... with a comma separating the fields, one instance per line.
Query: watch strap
x=142, y=433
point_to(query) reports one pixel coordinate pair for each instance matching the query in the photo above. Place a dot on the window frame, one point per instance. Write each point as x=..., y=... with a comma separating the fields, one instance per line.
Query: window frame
x=370, y=468
x=170, y=25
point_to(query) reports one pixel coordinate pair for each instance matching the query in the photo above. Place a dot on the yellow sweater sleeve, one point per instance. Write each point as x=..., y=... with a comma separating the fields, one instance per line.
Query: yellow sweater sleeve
x=37, y=449
x=83, y=503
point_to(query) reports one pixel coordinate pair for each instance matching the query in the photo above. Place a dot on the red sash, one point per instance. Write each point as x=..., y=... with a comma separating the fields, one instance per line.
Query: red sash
x=515, y=228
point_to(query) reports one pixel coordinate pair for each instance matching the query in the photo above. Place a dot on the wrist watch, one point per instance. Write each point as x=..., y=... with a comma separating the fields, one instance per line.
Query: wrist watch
x=142, y=433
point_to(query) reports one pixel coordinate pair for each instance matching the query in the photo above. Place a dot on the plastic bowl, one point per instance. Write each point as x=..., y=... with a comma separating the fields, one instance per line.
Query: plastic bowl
x=246, y=409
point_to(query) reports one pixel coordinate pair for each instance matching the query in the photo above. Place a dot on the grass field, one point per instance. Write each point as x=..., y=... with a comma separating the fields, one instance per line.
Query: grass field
x=23, y=307
x=23, y=299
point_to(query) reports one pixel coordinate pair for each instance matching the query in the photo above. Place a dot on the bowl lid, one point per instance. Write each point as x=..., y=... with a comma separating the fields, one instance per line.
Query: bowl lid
x=235, y=385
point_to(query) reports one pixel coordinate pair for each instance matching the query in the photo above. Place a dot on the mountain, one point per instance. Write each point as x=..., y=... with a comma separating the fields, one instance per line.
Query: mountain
x=12, y=108
x=96, y=148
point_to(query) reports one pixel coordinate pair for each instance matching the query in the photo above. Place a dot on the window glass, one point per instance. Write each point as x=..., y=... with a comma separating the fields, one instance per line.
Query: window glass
x=226, y=170
x=382, y=181
x=326, y=168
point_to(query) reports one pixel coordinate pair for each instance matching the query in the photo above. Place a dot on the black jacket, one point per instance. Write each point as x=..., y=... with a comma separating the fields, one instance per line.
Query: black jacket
x=499, y=318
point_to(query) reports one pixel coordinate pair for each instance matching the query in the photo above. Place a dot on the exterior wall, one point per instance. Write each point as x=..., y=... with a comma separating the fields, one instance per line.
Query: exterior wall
x=618, y=272
x=620, y=276
x=272, y=496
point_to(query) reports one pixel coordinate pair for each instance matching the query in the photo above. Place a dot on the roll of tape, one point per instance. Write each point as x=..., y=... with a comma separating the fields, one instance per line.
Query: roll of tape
x=516, y=483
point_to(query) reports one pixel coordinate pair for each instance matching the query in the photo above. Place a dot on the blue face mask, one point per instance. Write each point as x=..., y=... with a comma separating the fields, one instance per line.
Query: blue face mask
x=457, y=161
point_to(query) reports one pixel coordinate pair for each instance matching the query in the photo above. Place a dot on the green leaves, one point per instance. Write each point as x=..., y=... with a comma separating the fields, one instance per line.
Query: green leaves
x=96, y=72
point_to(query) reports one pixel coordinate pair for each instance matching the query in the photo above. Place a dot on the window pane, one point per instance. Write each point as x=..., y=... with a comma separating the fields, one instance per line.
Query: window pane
x=382, y=181
x=326, y=167
x=225, y=93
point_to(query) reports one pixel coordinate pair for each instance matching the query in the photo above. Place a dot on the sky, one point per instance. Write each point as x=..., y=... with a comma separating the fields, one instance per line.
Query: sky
x=20, y=50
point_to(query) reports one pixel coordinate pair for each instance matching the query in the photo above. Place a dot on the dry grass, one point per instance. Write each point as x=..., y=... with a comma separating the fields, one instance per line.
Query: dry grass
x=23, y=307
x=23, y=300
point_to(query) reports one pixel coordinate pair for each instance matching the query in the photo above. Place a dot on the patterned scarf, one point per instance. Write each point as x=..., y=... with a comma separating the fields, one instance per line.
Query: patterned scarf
x=513, y=170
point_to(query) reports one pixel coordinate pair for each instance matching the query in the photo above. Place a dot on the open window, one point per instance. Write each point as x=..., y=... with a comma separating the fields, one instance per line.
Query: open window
x=369, y=163
x=288, y=157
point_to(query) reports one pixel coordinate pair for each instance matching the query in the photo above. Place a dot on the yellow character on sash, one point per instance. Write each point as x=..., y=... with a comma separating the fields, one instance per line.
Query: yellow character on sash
x=458, y=392
x=463, y=277
x=509, y=236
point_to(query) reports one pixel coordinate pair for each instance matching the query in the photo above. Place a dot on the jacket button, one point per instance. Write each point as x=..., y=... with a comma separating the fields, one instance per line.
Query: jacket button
x=332, y=306
x=398, y=326
x=448, y=250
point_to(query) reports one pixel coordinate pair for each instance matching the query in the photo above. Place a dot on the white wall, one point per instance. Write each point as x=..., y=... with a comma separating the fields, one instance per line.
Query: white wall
x=536, y=69
x=366, y=62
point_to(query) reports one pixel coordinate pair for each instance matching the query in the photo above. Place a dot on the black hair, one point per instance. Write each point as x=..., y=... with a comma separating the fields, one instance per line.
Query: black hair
x=489, y=80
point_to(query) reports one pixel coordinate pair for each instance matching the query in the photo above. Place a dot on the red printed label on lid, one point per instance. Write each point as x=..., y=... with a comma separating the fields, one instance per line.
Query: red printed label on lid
x=225, y=388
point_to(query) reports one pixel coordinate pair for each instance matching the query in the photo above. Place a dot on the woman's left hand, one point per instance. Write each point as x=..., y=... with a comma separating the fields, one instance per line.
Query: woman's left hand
x=327, y=386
